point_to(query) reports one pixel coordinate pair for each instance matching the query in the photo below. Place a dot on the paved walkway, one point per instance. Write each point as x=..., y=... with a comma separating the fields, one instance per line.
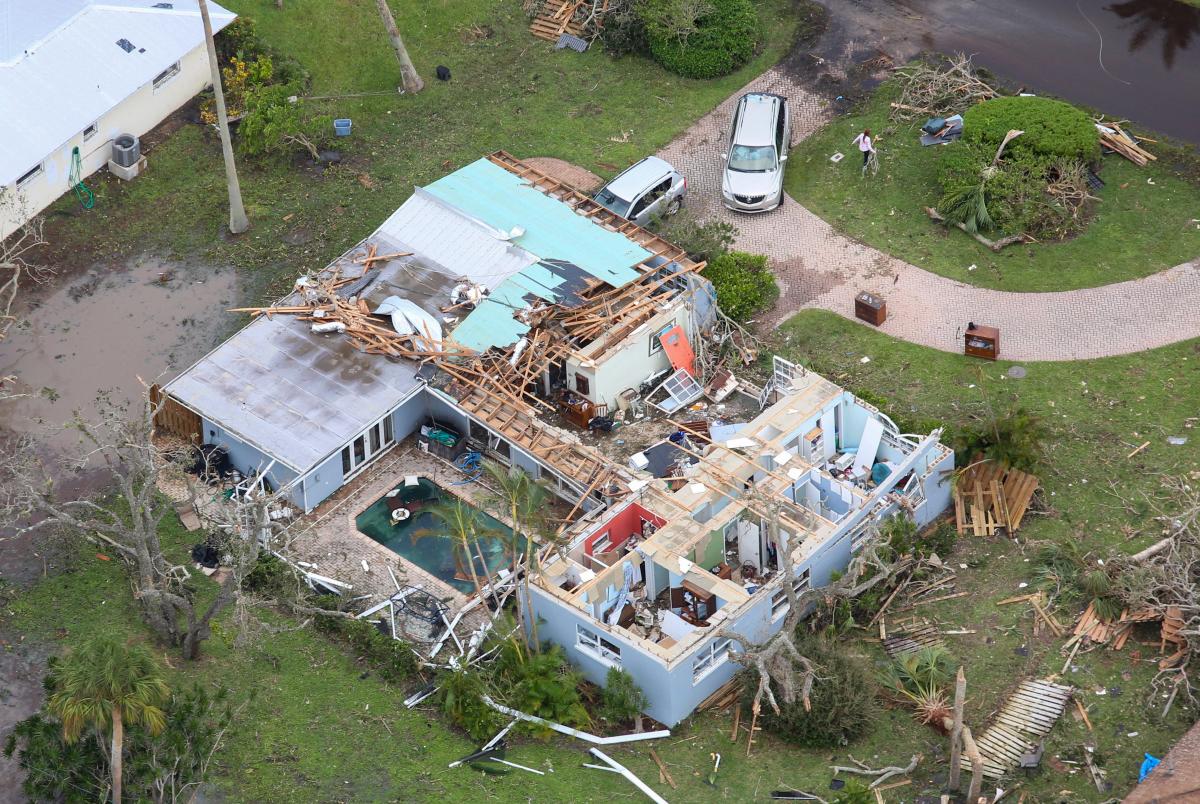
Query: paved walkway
x=820, y=268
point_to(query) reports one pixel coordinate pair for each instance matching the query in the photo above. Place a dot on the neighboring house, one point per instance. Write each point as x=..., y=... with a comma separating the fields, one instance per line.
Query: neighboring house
x=74, y=74
x=703, y=553
x=1176, y=779
x=309, y=411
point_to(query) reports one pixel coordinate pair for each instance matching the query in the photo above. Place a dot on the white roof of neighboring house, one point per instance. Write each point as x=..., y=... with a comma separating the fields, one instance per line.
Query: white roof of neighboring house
x=61, y=68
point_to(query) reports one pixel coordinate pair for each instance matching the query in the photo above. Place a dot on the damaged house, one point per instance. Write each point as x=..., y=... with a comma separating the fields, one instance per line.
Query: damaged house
x=527, y=305
x=647, y=585
x=499, y=315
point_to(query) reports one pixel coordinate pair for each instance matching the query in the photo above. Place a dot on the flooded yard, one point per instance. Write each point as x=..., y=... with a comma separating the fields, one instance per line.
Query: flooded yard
x=106, y=331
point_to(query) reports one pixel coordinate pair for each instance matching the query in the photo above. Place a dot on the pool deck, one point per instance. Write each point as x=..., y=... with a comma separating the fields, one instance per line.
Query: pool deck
x=329, y=538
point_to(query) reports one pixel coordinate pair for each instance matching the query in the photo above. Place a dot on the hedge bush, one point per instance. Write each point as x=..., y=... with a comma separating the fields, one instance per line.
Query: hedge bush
x=1052, y=128
x=722, y=39
x=843, y=699
x=744, y=284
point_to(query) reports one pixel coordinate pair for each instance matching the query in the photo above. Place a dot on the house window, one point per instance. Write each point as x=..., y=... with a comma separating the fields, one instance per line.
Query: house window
x=367, y=446
x=166, y=75
x=602, y=544
x=710, y=657
x=29, y=175
x=582, y=385
x=779, y=601
x=598, y=646
x=860, y=535
x=90, y=131
x=655, y=343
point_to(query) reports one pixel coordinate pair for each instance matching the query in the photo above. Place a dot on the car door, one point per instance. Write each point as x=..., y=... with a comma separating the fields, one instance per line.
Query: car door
x=781, y=132
x=651, y=203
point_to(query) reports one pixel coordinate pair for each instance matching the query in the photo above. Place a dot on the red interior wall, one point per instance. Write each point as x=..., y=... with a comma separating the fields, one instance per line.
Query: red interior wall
x=625, y=524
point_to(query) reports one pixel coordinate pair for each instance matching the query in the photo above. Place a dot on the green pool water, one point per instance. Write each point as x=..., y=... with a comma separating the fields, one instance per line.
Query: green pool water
x=424, y=540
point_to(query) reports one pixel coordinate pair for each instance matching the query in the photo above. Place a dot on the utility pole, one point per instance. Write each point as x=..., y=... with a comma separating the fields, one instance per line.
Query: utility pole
x=238, y=222
x=411, y=82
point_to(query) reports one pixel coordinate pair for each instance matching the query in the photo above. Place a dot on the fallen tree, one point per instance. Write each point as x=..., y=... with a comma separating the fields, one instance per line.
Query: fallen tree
x=994, y=245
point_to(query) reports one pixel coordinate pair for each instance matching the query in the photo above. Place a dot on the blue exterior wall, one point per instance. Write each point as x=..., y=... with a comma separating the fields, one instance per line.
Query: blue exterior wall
x=245, y=458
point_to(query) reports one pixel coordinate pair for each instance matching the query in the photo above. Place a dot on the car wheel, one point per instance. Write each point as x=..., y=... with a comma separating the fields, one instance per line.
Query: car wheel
x=673, y=207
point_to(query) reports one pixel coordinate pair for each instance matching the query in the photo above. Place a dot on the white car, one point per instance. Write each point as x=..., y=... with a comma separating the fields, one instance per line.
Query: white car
x=645, y=190
x=758, y=144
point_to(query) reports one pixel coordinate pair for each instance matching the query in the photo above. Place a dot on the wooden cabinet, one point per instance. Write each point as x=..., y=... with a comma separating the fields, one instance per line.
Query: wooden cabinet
x=981, y=341
x=870, y=308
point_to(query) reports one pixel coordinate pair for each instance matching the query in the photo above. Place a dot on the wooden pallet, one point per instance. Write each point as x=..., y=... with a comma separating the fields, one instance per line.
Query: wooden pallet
x=556, y=19
x=1028, y=715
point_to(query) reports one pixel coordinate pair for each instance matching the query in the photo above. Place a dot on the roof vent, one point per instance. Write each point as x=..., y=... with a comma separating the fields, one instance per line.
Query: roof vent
x=125, y=45
x=516, y=232
x=163, y=5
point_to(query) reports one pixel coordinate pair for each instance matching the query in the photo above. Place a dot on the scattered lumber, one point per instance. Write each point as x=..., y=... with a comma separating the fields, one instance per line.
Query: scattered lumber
x=1115, y=139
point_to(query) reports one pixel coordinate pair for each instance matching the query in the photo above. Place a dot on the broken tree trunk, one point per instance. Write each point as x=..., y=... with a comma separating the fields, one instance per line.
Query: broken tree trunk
x=956, y=729
x=994, y=245
x=976, y=764
x=882, y=774
x=409, y=78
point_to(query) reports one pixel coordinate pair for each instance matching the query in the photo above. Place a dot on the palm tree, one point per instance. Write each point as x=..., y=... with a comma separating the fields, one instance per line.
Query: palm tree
x=525, y=501
x=104, y=684
x=238, y=222
x=461, y=521
x=408, y=73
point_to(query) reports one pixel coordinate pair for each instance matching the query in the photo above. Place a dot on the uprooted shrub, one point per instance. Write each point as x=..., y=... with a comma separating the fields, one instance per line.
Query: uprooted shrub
x=700, y=38
x=744, y=284
x=842, y=699
x=1015, y=438
x=1038, y=186
x=921, y=678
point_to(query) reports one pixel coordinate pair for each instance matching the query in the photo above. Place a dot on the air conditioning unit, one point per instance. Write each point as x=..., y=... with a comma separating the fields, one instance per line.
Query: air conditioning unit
x=126, y=161
x=126, y=150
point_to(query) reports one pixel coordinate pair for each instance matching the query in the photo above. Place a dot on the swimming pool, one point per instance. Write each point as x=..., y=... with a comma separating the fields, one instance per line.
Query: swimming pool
x=424, y=539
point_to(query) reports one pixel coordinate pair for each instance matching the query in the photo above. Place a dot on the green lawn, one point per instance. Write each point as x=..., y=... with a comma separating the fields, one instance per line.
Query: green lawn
x=1143, y=224
x=508, y=91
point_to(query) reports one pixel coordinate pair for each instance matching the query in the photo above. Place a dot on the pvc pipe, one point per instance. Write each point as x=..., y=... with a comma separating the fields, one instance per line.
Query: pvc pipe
x=628, y=774
x=579, y=735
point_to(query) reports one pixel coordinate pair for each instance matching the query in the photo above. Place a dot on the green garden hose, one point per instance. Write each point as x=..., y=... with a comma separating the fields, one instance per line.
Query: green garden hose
x=82, y=191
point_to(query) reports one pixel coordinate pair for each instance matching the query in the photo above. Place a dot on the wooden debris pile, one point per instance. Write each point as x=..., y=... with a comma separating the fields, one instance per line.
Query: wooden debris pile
x=1116, y=139
x=1115, y=633
x=1041, y=612
x=1022, y=722
x=553, y=18
x=989, y=496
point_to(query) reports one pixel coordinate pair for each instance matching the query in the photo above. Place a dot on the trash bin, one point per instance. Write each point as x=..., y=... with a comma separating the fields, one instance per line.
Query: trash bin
x=341, y=126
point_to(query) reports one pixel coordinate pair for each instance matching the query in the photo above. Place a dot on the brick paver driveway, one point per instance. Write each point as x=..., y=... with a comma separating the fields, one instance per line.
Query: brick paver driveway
x=819, y=268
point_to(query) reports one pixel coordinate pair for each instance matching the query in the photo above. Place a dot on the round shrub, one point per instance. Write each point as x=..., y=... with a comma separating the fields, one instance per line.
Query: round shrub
x=711, y=43
x=1052, y=128
x=842, y=698
x=743, y=283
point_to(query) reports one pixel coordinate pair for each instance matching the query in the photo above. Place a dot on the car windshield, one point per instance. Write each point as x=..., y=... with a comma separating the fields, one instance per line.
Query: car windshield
x=609, y=199
x=752, y=158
